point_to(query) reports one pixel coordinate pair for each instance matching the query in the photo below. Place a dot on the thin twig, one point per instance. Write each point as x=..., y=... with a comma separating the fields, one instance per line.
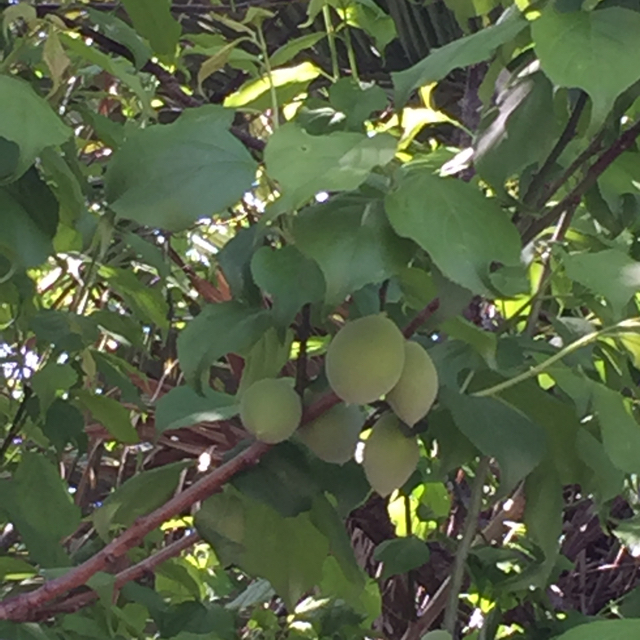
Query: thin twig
x=462, y=553
x=622, y=144
x=532, y=195
x=18, y=419
x=128, y=575
x=304, y=331
x=421, y=318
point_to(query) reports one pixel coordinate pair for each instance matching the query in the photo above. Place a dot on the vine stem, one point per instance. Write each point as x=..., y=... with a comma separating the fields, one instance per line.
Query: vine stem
x=630, y=323
x=468, y=534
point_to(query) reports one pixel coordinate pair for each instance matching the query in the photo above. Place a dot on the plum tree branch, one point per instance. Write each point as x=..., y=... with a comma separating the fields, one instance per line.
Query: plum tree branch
x=21, y=607
x=138, y=570
x=622, y=144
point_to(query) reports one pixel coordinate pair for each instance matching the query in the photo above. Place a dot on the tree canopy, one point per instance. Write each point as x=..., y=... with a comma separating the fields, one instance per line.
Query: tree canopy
x=319, y=320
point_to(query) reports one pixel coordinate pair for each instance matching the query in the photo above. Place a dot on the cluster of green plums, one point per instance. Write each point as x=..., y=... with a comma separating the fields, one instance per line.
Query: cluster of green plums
x=368, y=359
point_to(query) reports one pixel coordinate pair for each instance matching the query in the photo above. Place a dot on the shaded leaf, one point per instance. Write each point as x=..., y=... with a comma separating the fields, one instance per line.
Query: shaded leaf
x=290, y=278
x=603, y=630
x=38, y=502
x=113, y=416
x=352, y=242
x=28, y=121
x=449, y=218
x=610, y=273
x=153, y=20
x=220, y=329
x=182, y=407
x=64, y=423
x=169, y=176
x=401, y=555
x=141, y=494
x=620, y=431
x=498, y=430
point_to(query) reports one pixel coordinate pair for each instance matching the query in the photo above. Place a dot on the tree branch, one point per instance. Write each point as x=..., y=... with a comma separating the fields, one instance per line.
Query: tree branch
x=622, y=144
x=421, y=318
x=21, y=607
x=532, y=195
x=76, y=602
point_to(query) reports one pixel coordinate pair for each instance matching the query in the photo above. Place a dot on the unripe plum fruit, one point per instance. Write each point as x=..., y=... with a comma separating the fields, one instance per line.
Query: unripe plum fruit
x=389, y=457
x=365, y=359
x=334, y=435
x=415, y=392
x=271, y=410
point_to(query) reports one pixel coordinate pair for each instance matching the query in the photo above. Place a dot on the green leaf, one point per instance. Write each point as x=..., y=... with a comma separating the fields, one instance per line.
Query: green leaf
x=498, y=430
x=603, y=630
x=304, y=164
x=293, y=47
x=610, y=273
x=288, y=83
x=290, y=278
x=38, y=502
x=147, y=303
x=141, y=494
x=229, y=327
x=152, y=19
x=110, y=414
x=283, y=479
x=182, y=407
x=351, y=240
x=401, y=555
x=544, y=513
x=25, y=631
x=64, y=423
x=28, y=121
x=266, y=358
x=53, y=377
x=15, y=569
x=289, y=552
x=356, y=101
x=29, y=220
x=449, y=218
x=118, y=67
x=580, y=48
x=620, y=431
x=601, y=478
x=169, y=176
x=9, y=158
x=460, y=53
x=503, y=145
x=121, y=32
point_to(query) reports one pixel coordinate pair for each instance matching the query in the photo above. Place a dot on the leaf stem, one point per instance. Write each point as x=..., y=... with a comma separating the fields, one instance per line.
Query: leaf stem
x=630, y=323
x=331, y=39
x=468, y=534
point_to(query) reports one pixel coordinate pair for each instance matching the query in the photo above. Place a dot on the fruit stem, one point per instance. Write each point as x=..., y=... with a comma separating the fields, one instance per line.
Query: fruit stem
x=468, y=534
